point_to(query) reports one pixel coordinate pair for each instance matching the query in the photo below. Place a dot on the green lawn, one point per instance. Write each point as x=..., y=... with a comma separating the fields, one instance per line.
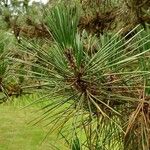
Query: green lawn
x=16, y=133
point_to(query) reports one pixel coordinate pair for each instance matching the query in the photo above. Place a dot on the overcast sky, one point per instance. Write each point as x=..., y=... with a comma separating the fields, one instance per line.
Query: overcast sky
x=43, y=1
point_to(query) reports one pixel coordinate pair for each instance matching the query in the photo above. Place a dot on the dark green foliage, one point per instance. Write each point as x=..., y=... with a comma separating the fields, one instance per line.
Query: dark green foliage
x=96, y=84
x=76, y=144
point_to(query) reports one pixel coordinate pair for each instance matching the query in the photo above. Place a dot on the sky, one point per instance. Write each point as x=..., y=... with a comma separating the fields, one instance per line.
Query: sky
x=43, y=1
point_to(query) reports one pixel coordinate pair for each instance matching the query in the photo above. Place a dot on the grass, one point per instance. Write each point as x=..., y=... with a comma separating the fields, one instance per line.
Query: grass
x=16, y=133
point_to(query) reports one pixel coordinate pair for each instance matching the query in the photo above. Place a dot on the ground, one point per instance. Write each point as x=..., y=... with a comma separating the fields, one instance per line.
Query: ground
x=17, y=133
